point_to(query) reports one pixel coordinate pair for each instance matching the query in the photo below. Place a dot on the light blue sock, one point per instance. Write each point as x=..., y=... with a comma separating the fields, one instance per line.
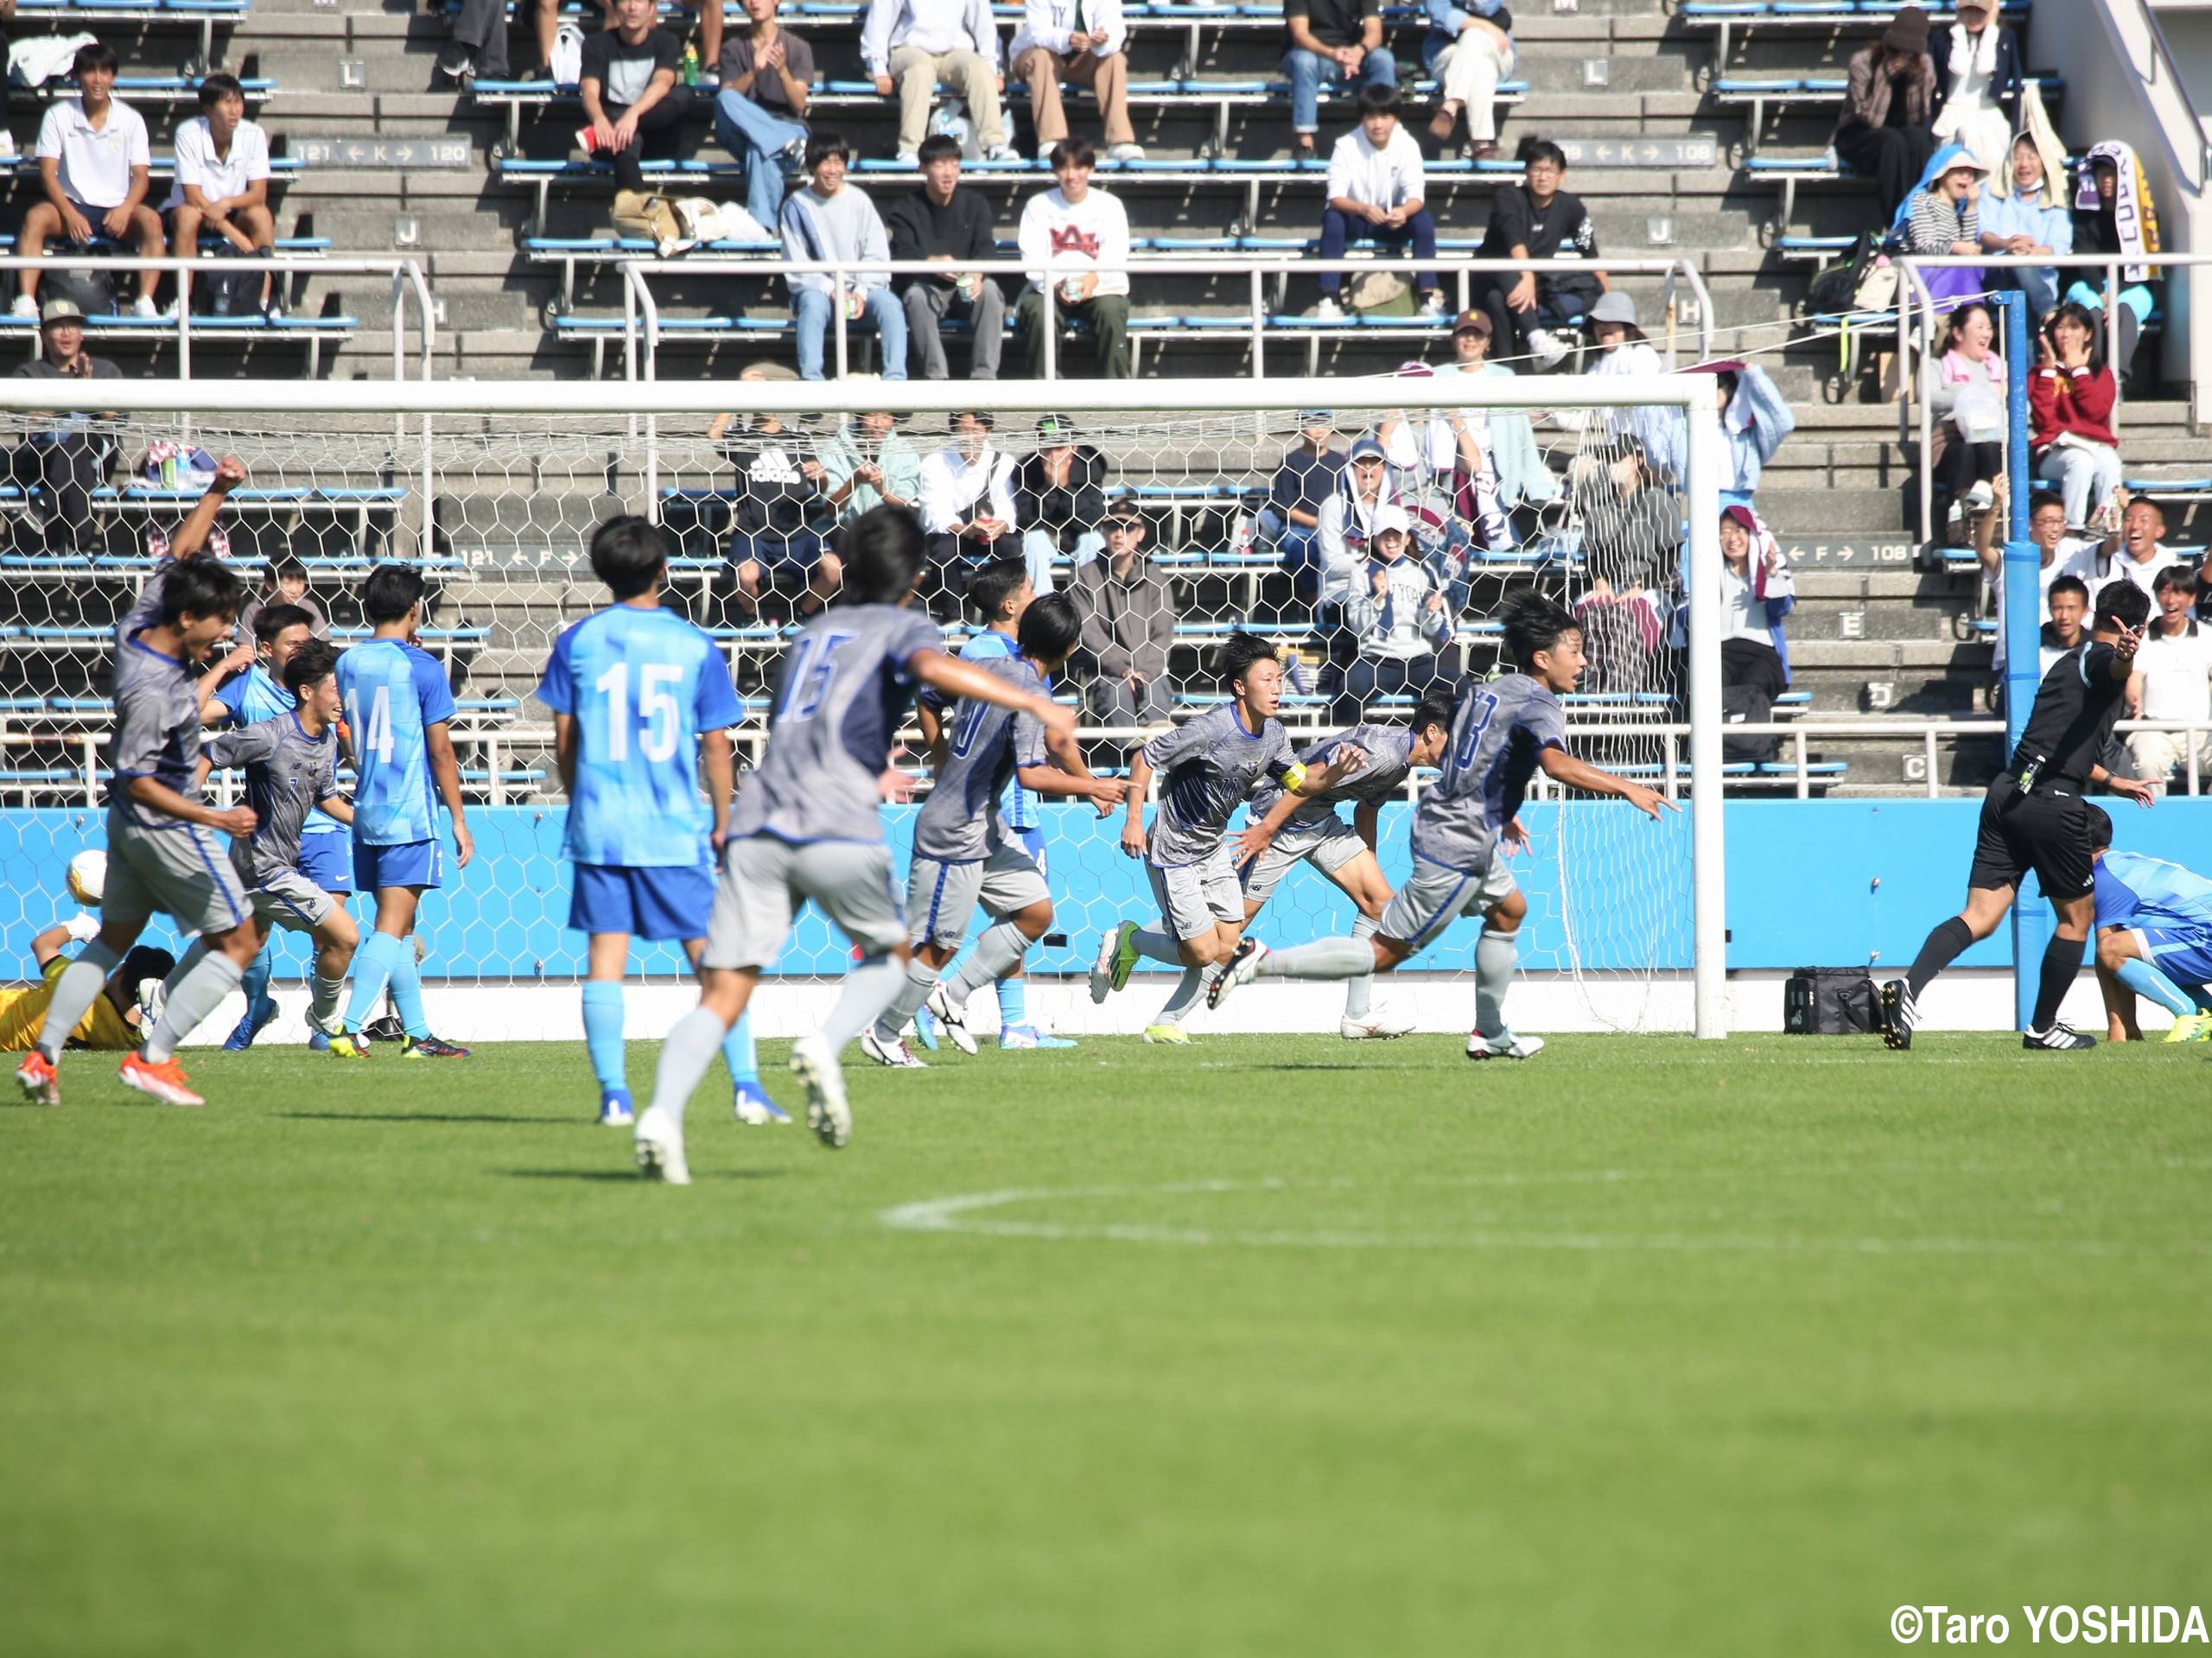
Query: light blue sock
x=256, y=982
x=373, y=966
x=603, y=1032
x=1014, y=1002
x=407, y=990
x=2145, y=979
x=737, y=1050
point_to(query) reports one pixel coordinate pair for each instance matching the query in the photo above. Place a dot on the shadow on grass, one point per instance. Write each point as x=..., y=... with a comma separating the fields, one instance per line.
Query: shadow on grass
x=417, y=1116
x=630, y=1177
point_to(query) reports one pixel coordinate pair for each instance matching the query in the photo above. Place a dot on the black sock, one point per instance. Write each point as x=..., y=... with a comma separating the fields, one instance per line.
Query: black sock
x=2062, y=960
x=1943, y=948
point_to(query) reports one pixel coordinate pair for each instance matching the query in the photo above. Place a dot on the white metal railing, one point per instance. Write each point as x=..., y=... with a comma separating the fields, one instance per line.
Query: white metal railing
x=2162, y=75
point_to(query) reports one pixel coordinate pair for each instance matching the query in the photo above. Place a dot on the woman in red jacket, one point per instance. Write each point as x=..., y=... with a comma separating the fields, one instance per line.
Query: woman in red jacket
x=2070, y=397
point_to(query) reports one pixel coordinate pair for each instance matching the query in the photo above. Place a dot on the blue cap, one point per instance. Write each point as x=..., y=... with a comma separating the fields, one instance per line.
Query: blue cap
x=1368, y=446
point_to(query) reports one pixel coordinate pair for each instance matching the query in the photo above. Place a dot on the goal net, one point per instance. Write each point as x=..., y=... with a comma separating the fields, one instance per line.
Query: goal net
x=1269, y=517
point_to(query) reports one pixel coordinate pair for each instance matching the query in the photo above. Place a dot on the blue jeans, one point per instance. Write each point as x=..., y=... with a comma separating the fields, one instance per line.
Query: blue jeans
x=811, y=308
x=1339, y=229
x=1309, y=72
x=1040, y=546
x=758, y=139
x=1299, y=544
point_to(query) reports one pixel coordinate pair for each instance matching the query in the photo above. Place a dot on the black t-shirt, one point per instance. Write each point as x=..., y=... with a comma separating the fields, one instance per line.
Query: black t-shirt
x=1900, y=90
x=2079, y=700
x=961, y=230
x=1334, y=22
x=624, y=70
x=1561, y=228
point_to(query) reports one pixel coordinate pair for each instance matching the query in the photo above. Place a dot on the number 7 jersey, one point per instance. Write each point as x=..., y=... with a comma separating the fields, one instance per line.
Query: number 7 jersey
x=641, y=686
x=394, y=692
x=1500, y=729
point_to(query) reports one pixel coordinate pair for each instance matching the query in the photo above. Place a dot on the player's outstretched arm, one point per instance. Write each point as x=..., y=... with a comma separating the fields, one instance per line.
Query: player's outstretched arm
x=956, y=679
x=1070, y=776
x=1562, y=767
x=446, y=771
x=192, y=535
x=1256, y=838
x=2143, y=794
x=157, y=796
x=1347, y=761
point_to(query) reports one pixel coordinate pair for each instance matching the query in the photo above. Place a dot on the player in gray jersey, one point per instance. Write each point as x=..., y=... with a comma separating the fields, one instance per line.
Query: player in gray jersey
x=1504, y=732
x=162, y=853
x=1207, y=767
x=291, y=767
x=963, y=853
x=807, y=825
x=1286, y=831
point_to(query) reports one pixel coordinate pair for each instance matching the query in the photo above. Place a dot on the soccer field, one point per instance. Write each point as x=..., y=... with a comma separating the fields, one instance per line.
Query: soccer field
x=1263, y=1346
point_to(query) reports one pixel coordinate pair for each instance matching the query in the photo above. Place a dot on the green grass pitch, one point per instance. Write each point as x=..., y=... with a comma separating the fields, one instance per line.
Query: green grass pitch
x=1267, y=1347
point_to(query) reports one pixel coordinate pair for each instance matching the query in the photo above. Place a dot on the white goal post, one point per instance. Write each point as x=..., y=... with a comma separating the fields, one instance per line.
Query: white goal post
x=409, y=414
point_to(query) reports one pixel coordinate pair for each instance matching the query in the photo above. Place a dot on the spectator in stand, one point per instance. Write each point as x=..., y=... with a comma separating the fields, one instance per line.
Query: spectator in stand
x=1978, y=83
x=63, y=454
x=93, y=162
x=2063, y=555
x=1943, y=217
x=1540, y=222
x=1757, y=592
x=1335, y=42
x=2071, y=395
x=1290, y=523
x=912, y=45
x=1082, y=40
x=2069, y=605
x=1347, y=520
x=2172, y=681
x=1504, y=437
x=1075, y=226
x=1060, y=495
x=767, y=76
x=827, y=222
x=1969, y=403
x=1755, y=421
x=1376, y=195
x=2114, y=214
x=1623, y=348
x=221, y=182
x=779, y=491
x=2033, y=220
x=968, y=509
x=1398, y=619
x=1889, y=109
x=633, y=105
x=1631, y=545
x=872, y=466
x=285, y=582
x=1469, y=48
x=479, y=37
x=2134, y=552
x=945, y=224
x=1129, y=626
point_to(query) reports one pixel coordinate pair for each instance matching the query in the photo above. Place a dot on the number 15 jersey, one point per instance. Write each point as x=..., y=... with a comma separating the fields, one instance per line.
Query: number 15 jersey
x=1500, y=729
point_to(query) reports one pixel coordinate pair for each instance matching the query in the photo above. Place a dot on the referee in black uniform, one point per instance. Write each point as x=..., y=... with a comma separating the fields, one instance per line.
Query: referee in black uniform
x=2034, y=818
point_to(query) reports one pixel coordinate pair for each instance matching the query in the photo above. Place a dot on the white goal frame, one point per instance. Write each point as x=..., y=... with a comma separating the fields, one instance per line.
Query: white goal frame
x=423, y=403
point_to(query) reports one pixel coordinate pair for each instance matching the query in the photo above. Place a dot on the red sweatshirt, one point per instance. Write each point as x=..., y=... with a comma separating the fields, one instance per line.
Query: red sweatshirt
x=2078, y=401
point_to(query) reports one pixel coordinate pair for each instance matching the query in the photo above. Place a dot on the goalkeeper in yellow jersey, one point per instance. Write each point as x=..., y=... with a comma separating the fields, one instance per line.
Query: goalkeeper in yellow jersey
x=112, y=1022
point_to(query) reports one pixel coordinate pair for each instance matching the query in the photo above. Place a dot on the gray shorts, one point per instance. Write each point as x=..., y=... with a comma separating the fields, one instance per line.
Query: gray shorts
x=292, y=901
x=1331, y=843
x=1192, y=897
x=1435, y=896
x=183, y=873
x=764, y=880
x=941, y=897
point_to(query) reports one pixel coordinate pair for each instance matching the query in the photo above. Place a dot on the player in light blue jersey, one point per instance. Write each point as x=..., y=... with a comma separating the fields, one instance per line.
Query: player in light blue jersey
x=398, y=704
x=1504, y=732
x=641, y=702
x=2154, y=938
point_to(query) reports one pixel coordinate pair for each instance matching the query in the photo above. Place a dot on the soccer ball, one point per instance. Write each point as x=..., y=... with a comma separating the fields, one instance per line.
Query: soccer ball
x=87, y=876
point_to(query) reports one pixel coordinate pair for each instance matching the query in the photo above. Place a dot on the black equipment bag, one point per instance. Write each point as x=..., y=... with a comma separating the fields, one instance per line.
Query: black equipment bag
x=1745, y=705
x=89, y=287
x=1830, y=1001
x=220, y=288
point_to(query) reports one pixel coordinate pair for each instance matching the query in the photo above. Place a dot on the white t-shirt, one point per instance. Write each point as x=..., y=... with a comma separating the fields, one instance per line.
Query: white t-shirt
x=2176, y=674
x=96, y=162
x=2072, y=556
x=1094, y=230
x=2124, y=568
x=217, y=177
x=1387, y=177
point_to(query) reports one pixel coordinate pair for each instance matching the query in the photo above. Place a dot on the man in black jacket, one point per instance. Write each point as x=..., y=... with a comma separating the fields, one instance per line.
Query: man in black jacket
x=944, y=222
x=1059, y=496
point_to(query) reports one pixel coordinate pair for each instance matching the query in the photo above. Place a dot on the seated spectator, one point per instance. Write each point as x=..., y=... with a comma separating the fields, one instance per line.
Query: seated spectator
x=1398, y=620
x=1505, y=436
x=1082, y=40
x=1289, y=524
x=284, y=582
x=1756, y=591
x=479, y=37
x=221, y=182
x=2033, y=220
x=829, y=223
x=1623, y=348
x=767, y=76
x=63, y=454
x=1375, y=195
x=779, y=494
x=2114, y=214
x=968, y=509
x=1129, y=626
x=1539, y=221
x=1889, y=108
x=1632, y=545
x=1469, y=48
x=2172, y=681
x=2134, y=551
x=1968, y=401
x=633, y=105
x=93, y=164
x=912, y=45
x=1943, y=217
x=1085, y=234
x=2061, y=555
x=1060, y=495
x=943, y=223
x=1978, y=83
x=2071, y=395
x=1347, y=520
x=1334, y=42
x=873, y=466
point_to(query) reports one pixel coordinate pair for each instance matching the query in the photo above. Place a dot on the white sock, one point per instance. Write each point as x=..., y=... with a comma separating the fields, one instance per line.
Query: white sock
x=1356, y=991
x=1325, y=958
x=1158, y=947
x=185, y=963
x=1188, y=990
x=80, y=985
x=328, y=993
x=685, y=1053
x=200, y=994
x=1495, y=955
x=921, y=979
x=870, y=988
x=996, y=954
